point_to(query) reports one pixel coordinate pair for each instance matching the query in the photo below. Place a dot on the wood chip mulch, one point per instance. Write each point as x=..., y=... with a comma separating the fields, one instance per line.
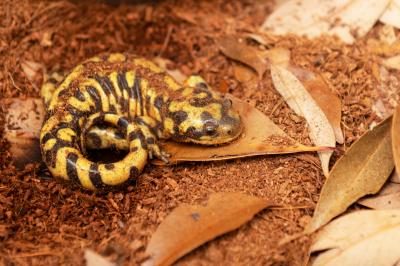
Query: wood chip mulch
x=45, y=222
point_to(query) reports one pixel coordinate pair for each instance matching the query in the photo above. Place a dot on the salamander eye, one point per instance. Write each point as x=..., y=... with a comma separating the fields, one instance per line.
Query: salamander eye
x=210, y=128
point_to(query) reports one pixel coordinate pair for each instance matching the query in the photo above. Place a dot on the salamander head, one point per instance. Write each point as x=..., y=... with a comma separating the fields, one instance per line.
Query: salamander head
x=204, y=117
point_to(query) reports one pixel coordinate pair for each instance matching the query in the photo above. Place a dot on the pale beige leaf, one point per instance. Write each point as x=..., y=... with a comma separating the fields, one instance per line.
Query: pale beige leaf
x=392, y=62
x=360, y=238
x=348, y=19
x=298, y=98
x=94, y=259
x=396, y=137
x=327, y=100
x=388, y=198
x=239, y=51
x=189, y=226
x=392, y=14
x=361, y=171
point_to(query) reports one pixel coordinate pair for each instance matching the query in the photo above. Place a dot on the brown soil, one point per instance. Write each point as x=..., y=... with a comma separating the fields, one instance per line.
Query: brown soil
x=45, y=222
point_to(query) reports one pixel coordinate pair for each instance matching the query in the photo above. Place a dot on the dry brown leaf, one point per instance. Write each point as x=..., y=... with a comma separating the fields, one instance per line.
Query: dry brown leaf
x=348, y=19
x=392, y=62
x=189, y=226
x=387, y=199
x=255, y=140
x=23, y=122
x=396, y=137
x=367, y=237
x=248, y=55
x=392, y=14
x=361, y=171
x=298, y=98
x=94, y=259
x=326, y=99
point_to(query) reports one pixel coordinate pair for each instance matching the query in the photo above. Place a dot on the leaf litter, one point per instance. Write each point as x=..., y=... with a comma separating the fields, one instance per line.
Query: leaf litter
x=361, y=171
x=388, y=198
x=297, y=97
x=366, y=237
x=39, y=212
x=348, y=20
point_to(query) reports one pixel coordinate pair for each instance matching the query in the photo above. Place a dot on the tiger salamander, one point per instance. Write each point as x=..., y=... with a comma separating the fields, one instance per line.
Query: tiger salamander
x=140, y=103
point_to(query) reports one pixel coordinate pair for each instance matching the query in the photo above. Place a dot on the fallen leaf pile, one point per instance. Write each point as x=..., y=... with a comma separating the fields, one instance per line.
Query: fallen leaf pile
x=348, y=19
x=363, y=237
x=246, y=59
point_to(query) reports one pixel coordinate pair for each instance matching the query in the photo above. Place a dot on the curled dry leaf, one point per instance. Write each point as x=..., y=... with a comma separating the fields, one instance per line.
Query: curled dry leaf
x=361, y=171
x=23, y=122
x=260, y=136
x=189, y=226
x=391, y=16
x=314, y=18
x=248, y=55
x=298, y=98
x=326, y=99
x=94, y=259
x=392, y=62
x=367, y=237
x=387, y=199
x=396, y=137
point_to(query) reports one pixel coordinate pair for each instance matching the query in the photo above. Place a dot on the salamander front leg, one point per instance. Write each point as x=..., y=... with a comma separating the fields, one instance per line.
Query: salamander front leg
x=150, y=137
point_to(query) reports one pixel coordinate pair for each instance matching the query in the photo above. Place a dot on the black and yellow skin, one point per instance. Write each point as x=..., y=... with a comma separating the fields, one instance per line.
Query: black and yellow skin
x=127, y=102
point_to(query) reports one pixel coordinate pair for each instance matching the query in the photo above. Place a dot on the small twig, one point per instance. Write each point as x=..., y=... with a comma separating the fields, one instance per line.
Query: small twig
x=166, y=41
x=12, y=80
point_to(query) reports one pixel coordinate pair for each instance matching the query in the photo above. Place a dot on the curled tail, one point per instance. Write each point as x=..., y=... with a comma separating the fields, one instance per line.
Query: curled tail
x=63, y=149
